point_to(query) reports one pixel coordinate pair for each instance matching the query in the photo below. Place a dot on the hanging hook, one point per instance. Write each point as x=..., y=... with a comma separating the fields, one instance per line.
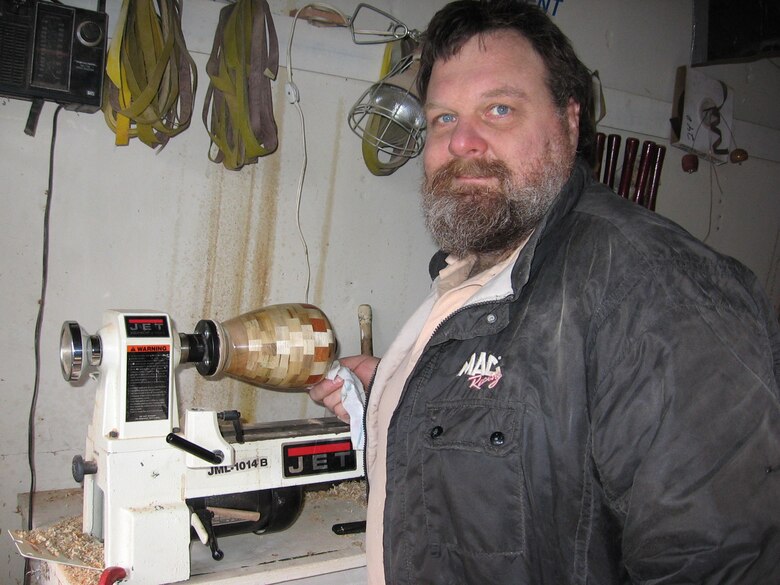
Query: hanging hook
x=395, y=31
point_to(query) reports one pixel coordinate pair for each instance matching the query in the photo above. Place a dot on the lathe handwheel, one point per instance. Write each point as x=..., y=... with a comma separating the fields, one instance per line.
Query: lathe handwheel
x=71, y=351
x=77, y=348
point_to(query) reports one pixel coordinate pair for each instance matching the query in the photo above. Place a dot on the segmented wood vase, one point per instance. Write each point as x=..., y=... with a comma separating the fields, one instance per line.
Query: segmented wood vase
x=287, y=346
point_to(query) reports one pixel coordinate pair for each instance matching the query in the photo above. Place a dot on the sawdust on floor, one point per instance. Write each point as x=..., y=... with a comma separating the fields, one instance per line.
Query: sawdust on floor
x=351, y=490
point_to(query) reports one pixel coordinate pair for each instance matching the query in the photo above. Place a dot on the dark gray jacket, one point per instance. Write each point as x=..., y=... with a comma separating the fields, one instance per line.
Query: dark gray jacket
x=615, y=419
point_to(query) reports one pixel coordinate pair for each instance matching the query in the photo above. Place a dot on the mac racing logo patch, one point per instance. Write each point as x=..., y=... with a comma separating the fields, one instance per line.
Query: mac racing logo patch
x=482, y=370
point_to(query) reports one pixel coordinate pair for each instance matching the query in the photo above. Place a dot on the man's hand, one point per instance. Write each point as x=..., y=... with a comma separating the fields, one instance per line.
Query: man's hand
x=328, y=392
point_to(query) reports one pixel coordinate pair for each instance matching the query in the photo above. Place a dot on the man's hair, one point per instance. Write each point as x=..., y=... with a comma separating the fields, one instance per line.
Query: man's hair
x=567, y=77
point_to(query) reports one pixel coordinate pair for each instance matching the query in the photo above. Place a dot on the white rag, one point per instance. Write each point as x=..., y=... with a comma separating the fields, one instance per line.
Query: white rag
x=353, y=397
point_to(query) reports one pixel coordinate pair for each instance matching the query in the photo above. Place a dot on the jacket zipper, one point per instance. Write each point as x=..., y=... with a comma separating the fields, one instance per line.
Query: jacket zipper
x=365, y=427
x=403, y=392
x=424, y=349
x=406, y=383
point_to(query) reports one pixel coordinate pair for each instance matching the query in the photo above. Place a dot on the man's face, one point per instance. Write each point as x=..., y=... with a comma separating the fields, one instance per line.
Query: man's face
x=497, y=150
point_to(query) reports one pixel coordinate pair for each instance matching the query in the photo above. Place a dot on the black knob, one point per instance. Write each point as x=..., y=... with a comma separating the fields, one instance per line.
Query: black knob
x=436, y=432
x=80, y=468
x=89, y=33
x=497, y=439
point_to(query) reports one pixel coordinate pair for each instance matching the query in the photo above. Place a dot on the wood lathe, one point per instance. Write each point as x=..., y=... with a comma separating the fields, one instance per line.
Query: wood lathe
x=153, y=484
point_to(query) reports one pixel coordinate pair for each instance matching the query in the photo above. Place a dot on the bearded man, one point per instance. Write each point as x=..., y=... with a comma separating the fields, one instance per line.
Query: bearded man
x=588, y=394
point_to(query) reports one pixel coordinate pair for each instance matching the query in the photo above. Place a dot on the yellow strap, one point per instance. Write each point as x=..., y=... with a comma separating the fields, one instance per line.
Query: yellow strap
x=238, y=110
x=151, y=79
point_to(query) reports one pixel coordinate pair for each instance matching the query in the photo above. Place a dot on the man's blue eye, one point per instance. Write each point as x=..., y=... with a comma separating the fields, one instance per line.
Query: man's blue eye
x=501, y=110
x=447, y=118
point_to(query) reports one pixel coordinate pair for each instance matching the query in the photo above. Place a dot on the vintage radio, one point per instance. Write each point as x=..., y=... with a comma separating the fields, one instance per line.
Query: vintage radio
x=52, y=52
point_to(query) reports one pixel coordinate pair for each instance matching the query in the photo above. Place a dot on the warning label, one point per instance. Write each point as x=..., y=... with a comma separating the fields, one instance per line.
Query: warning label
x=148, y=382
x=148, y=348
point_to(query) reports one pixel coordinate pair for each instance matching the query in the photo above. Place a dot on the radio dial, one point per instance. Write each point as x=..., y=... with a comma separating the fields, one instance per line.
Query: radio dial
x=89, y=33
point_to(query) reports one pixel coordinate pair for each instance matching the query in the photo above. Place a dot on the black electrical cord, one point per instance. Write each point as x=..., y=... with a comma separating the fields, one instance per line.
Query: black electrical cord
x=38, y=324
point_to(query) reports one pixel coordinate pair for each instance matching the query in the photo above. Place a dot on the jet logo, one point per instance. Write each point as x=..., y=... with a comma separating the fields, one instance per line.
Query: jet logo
x=482, y=369
x=318, y=457
x=146, y=326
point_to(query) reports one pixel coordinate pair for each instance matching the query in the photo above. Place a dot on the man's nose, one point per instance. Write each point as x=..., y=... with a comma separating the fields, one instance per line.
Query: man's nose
x=466, y=141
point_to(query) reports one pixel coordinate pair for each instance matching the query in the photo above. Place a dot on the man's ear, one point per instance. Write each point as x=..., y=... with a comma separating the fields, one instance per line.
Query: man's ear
x=573, y=122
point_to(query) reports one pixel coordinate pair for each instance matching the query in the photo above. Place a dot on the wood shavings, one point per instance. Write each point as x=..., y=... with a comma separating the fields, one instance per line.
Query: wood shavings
x=66, y=541
x=80, y=576
x=351, y=490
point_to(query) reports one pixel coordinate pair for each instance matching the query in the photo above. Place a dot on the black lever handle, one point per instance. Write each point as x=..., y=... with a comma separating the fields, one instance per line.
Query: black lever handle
x=233, y=416
x=206, y=517
x=213, y=457
x=349, y=527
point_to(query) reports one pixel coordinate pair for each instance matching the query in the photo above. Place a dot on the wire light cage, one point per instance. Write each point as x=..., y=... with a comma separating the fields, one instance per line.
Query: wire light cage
x=389, y=118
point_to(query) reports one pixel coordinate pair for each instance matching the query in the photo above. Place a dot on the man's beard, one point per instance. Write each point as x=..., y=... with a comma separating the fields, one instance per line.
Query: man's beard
x=468, y=219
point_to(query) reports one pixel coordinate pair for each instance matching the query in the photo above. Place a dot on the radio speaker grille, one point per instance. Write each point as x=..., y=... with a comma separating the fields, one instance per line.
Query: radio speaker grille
x=14, y=40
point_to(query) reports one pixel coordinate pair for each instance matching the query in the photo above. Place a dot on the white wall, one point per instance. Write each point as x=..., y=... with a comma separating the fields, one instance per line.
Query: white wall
x=171, y=231
x=636, y=47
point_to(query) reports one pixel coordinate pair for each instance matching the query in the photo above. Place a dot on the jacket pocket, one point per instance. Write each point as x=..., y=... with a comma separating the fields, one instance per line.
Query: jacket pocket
x=473, y=480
